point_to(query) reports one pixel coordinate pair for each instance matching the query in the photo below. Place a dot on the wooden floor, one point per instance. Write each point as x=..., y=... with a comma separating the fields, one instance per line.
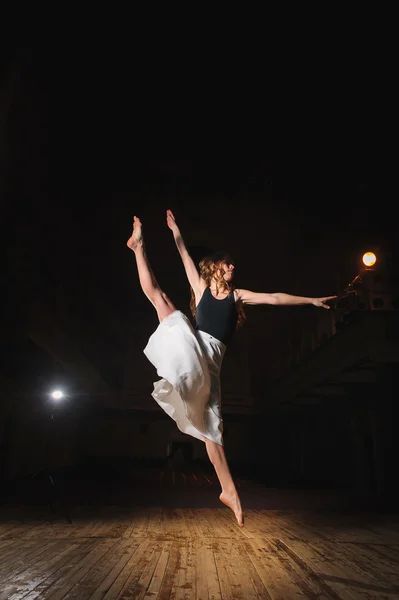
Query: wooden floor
x=193, y=553
x=295, y=544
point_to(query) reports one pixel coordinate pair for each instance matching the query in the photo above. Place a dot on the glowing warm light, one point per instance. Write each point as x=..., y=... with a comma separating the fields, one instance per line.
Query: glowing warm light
x=57, y=395
x=369, y=259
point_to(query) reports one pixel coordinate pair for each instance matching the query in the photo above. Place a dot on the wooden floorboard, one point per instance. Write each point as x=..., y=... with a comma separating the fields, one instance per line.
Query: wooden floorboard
x=293, y=546
x=197, y=553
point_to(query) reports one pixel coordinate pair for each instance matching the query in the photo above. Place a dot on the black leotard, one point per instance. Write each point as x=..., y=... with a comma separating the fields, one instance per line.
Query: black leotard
x=217, y=317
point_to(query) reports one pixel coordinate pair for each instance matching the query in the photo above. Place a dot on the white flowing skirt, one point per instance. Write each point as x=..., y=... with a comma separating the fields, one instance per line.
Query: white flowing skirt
x=189, y=362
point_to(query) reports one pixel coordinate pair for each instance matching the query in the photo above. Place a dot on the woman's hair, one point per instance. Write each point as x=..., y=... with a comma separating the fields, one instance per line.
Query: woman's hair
x=209, y=268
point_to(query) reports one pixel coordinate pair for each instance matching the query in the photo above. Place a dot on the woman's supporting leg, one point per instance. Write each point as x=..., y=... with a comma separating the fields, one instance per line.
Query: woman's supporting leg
x=229, y=495
x=149, y=284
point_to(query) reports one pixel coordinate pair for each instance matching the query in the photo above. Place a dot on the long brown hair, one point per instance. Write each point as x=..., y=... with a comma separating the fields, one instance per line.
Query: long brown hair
x=209, y=268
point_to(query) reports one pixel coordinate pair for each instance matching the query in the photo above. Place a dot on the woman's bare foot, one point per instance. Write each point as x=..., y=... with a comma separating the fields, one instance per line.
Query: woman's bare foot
x=233, y=502
x=136, y=239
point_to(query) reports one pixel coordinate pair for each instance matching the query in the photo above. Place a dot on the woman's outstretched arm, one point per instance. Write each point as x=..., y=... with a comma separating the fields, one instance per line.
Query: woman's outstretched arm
x=281, y=299
x=189, y=265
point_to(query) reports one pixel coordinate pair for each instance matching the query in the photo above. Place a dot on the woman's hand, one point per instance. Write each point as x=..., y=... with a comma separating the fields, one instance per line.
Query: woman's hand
x=321, y=302
x=171, y=221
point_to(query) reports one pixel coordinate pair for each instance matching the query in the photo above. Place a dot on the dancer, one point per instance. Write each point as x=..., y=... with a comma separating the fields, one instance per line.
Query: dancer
x=189, y=359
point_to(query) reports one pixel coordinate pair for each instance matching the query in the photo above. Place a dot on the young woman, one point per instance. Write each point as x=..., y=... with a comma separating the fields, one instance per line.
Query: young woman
x=189, y=360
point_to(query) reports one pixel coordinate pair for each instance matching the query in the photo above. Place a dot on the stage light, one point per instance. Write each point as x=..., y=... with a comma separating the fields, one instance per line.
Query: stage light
x=369, y=259
x=57, y=395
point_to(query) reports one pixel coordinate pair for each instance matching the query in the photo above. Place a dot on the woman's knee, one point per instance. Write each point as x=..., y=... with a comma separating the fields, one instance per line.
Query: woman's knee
x=164, y=306
x=160, y=299
x=167, y=300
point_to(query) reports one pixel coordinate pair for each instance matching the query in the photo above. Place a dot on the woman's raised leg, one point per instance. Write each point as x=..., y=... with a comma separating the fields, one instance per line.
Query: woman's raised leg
x=163, y=305
x=229, y=495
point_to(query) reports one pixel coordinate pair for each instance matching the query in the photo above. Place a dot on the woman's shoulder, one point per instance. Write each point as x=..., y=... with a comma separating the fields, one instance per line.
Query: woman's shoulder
x=238, y=298
x=202, y=284
x=199, y=291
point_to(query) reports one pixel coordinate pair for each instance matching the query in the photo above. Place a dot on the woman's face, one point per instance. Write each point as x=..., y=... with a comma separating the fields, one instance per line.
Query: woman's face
x=228, y=271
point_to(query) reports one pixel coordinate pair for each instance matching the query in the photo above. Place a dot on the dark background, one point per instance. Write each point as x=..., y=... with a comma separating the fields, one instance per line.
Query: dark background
x=85, y=145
